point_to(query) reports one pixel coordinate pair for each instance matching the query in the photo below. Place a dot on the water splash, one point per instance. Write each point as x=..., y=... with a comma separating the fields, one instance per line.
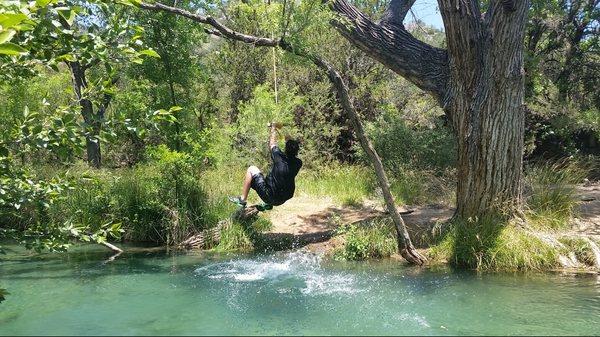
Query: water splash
x=279, y=271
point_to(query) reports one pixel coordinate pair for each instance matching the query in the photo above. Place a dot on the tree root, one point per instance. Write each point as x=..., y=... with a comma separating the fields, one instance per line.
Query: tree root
x=413, y=256
x=206, y=239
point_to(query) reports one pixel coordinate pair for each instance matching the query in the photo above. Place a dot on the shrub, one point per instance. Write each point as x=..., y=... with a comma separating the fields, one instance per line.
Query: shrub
x=413, y=147
x=234, y=238
x=160, y=201
x=136, y=201
x=368, y=241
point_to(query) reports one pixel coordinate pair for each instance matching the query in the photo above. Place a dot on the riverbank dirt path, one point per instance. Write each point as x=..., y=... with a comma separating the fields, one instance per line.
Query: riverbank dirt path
x=312, y=222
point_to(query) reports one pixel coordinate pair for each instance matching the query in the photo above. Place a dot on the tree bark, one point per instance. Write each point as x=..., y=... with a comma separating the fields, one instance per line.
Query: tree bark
x=392, y=45
x=485, y=103
x=478, y=81
x=92, y=120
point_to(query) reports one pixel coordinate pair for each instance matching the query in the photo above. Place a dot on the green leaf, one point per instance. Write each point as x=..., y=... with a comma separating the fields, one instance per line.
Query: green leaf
x=7, y=36
x=66, y=57
x=9, y=20
x=68, y=15
x=42, y=3
x=135, y=3
x=12, y=49
x=150, y=52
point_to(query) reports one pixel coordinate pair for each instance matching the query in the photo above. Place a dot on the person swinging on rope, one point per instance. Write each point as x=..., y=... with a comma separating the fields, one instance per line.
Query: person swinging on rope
x=279, y=185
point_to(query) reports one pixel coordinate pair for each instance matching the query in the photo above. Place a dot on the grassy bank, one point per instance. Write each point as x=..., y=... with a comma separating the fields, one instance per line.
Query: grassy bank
x=171, y=196
x=537, y=240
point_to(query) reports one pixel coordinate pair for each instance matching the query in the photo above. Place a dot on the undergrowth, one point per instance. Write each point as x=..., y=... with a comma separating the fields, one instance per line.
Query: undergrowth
x=372, y=240
x=242, y=236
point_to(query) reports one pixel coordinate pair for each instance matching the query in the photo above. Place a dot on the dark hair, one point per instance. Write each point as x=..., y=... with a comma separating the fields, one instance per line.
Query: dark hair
x=291, y=148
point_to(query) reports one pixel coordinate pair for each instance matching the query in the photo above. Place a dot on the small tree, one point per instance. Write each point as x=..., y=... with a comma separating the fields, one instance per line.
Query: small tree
x=91, y=38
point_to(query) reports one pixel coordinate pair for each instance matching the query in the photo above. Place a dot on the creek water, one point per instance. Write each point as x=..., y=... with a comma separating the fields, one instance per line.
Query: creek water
x=285, y=293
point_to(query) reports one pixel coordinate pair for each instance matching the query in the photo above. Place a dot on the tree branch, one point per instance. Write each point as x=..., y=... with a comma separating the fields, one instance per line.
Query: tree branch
x=405, y=246
x=389, y=43
x=392, y=45
x=396, y=12
x=222, y=29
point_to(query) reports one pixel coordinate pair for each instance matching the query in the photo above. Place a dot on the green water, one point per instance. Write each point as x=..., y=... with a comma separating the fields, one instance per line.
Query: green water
x=284, y=293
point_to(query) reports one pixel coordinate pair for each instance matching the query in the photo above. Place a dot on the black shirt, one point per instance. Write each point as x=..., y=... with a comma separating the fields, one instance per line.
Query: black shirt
x=282, y=175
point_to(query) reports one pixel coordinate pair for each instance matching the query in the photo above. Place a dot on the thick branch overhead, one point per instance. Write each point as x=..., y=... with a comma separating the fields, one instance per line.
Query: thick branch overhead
x=387, y=42
x=396, y=12
x=392, y=45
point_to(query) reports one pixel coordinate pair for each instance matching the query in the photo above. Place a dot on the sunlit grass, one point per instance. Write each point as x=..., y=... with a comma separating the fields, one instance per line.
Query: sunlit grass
x=492, y=244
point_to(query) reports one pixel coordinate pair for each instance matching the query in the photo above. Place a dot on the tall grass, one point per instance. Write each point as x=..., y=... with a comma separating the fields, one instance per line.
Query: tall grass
x=159, y=201
x=421, y=187
x=492, y=244
x=347, y=185
x=235, y=238
x=551, y=202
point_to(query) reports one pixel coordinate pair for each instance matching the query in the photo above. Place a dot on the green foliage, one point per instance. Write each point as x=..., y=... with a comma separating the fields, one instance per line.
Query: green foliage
x=420, y=187
x=250, y=134
x=373, y=240
x=161, y=202
x=492, y=244
x=244, y=236
x=234, y=238
x=562, y=77
x=431, y=147
x=27, y=198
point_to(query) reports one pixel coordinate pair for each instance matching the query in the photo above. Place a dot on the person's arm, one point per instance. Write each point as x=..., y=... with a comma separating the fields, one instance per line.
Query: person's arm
x=272, y=136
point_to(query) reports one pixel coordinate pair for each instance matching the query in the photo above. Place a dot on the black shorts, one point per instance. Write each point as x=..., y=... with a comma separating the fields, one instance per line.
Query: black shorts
x=264, y=191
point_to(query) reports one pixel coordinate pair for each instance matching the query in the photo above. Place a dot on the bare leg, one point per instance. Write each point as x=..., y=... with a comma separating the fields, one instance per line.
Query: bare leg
x=252, y=170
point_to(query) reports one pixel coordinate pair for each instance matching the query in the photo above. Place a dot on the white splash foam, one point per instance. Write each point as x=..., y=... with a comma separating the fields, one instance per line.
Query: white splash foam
x=297, y=265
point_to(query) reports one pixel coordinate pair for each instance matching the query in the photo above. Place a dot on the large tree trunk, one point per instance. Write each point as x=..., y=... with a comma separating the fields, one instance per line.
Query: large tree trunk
x=485, y=103
x=478, y=80
x=490, y=152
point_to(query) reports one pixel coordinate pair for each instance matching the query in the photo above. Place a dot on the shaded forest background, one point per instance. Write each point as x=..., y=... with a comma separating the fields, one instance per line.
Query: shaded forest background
x=175, y=113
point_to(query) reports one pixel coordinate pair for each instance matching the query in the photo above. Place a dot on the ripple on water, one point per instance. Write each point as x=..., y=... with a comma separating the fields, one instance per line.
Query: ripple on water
x=304, y=268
